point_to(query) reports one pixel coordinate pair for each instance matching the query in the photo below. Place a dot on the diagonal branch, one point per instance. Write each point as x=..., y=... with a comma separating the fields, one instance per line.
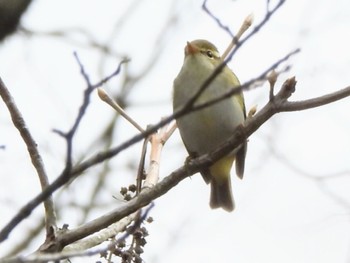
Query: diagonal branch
x=32, y=148
x=149, y=194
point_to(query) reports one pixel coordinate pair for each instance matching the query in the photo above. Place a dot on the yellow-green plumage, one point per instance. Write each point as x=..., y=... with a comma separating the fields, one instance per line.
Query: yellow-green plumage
x=205, y=130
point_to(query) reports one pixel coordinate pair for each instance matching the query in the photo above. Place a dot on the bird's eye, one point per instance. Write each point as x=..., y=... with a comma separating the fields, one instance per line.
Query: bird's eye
x=210, y=54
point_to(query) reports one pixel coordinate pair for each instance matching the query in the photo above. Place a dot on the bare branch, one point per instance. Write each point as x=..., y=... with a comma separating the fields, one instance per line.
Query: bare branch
x=157, y=140
x=316, y=102
x=100, y=236
x=32, y=147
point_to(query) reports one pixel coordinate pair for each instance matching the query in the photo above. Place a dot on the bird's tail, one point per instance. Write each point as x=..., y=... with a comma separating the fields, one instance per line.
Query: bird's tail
x=221, y=194
x=221, y=190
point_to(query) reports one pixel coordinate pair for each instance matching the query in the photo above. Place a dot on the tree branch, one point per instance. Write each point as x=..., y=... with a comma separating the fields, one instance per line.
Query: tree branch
x=32, y=147
x=315, y=102
x=65, y=176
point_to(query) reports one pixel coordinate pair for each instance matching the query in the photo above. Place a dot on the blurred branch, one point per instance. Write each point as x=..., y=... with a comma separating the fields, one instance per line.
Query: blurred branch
x=11, y=12
x=71, y=35
x=27, y=238
x=216, y=19
x=319, y=179
x=295, y=168
x=32, y=147
x=155, y=54
x=121, y=22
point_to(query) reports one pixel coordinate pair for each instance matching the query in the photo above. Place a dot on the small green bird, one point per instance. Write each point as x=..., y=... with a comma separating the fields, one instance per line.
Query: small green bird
x=205, y=130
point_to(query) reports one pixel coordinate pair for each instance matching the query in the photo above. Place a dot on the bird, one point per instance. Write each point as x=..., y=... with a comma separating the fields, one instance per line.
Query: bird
x=203, y=131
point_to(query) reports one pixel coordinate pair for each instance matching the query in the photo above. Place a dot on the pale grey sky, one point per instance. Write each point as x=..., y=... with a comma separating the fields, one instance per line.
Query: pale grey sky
x=282, y=214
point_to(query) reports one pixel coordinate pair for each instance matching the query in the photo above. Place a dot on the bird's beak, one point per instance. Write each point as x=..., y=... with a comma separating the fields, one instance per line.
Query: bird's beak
x=191, y=49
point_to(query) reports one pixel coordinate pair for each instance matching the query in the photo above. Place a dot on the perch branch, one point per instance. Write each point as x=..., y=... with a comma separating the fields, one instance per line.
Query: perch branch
x=241, y=134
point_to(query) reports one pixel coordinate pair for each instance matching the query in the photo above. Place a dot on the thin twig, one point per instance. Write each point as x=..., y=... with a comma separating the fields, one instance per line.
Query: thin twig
x=170, y=131
x=141, y=167
x=106, y=98
x=248, y=21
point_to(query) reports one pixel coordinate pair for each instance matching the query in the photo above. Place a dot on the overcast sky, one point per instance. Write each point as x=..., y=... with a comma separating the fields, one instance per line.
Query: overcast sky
x=284, y=211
